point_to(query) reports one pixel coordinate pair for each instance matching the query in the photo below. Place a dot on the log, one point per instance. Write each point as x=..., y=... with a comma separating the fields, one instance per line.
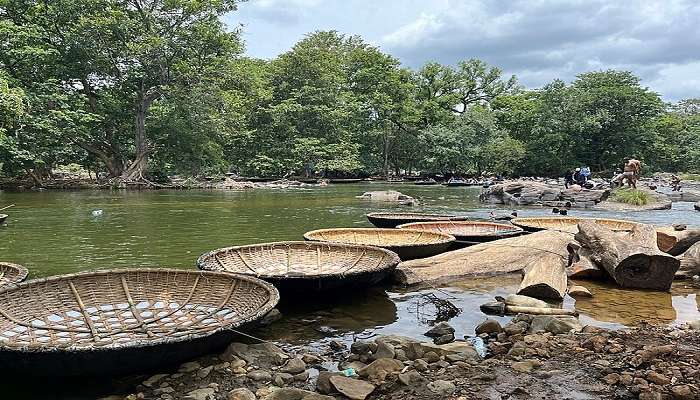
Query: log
x=676, y=242
x=632, y=259
x=580, y=264
x=690, y=262
x=545, y=277
x=492, y=258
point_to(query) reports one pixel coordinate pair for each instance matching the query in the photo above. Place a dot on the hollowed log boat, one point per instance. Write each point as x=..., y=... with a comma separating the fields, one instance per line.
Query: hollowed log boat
x=407, y=243
x=3, y=217
x=11, y=273
x=392, y=220
x=125, y=321
x=468, y=232
x=570, y=224
x=304, y=266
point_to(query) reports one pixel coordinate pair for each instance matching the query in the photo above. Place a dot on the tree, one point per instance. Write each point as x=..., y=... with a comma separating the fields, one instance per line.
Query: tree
x=117, y=57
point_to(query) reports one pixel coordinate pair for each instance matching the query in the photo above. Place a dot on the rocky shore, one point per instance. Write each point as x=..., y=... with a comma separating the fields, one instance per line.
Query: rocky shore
x=530, y=357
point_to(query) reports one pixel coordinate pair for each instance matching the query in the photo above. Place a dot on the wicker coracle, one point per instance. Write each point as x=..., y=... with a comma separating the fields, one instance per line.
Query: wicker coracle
x=305, y=265
x=569, y=224
x=392, y=220
x=468, y=231
x=123, y=321
x=407, y=243
x=11, y=273
x=3, y=217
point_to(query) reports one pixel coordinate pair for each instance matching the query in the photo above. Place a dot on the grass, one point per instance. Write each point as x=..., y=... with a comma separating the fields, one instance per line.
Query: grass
x=632, y=196
x=690, y=177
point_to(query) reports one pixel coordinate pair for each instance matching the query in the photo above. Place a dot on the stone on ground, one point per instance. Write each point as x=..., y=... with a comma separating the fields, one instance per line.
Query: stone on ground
x=355, y=389
x=489, y=326
x=443, y=388
x=579, y=291
x=241, y=394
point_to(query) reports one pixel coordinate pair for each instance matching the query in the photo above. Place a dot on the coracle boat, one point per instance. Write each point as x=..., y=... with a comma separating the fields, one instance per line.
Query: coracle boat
x=426, y=182
x=305, y=266
x=345, y=180
x=468, y=232
x=123, y=321
x=407, y=243
x=569, y=224
x=3, y=217
x=11, y=273
x=392, y=220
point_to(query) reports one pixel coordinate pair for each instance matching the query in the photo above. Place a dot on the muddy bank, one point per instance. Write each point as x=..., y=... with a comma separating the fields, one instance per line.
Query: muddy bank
x=530, y=357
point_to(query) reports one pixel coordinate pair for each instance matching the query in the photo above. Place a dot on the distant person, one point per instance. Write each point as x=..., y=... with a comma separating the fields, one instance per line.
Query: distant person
x=579, y=177
x=676, y=183
x=568, y=178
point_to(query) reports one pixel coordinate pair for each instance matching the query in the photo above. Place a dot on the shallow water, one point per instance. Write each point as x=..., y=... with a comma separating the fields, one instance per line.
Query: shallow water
x=55, y=233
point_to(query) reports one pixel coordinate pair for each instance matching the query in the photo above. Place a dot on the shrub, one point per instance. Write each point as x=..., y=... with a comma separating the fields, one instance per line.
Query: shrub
x=632, y=196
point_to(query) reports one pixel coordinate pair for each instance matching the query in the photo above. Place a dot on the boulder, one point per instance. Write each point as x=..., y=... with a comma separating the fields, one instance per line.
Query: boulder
x=525, y=193
x=444, y=339
x=442, y=388
x=354, y=389
x=391, y=196
x=464, y=348
x=579, y=291
x=441, y=329
x=359, y=347
x=384, y=350
x=241, y=394
x=323, y=382
x=556, y=325
x=489, y=326
x=294, y=366
x=412, y=378
x=380, y=368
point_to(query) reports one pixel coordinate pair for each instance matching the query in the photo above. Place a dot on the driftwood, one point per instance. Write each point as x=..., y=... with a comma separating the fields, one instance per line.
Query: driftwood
x=676, y=242
x=632, y=259
x=545, y=277
x=492, y=258
x=580, y=264
x=690, y=262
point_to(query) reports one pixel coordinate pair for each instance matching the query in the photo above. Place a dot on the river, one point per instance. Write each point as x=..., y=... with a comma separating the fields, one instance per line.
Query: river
x=55, y=232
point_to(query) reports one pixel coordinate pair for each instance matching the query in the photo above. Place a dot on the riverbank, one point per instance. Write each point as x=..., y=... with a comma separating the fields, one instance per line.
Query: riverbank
x=530, y=357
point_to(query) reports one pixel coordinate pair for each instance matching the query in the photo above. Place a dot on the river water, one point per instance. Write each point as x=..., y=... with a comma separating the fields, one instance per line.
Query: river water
x=56, y=232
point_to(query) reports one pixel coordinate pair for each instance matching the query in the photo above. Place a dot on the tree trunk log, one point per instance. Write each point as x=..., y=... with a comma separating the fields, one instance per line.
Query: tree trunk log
x=690, y=262
x=676, y=242
x=633, y=259
x=580, y=264
x=545, y=277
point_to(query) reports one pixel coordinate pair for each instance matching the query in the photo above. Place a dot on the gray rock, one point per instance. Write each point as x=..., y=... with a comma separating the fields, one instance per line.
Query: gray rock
x=295, y=394
x=526, y=366
x=489, y=326
x=302, y=376
x=189, y=367
x=311, y=359
x=431, y=357
x=579, y=291
x=465, y=348
x=556, y=325
x=359, y=347
x=694, y=325
x=264, y=355
x=204, y=372
x=380, y=368
x=441, y=329
x=336, y=345
x=516, y=328
x=241, y=394
x=384, y=350
x=201, y=394
x=420, y=365
x=412, y=378
x=443, y=388
x=153, y=380
x=294, y=366
x=323, y=382
x=259, y=376
x=272, y=316
x=354, y=389
x=444, y=339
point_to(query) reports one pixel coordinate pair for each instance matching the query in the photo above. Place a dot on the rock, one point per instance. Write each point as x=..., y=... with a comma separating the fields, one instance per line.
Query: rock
x=442, y=388
x=596, y=343
x=420, y=365
x=441, y=329
x=391, y=196
x=556, y=325
x=189, y=367
x=694, y=325
x=516, y=328
x=264, y=355
x=259, y=376
x=301, y=377
x=355, y=389
x=431, y=357
x=336, y=345
x=241, y=394
x=412, y=378
x=465, y=348
x=204, y=372
x=657, y=378
x=283, y=377
x=323, y=382
x=444, y=339
x=201, y=394
x=295, y=394
x=384, y=350
x=682, y=392
x=356, y=365
x=359, y=347
x=489, y=326
x=526, y=366
x=153, y=380
x=579, y=291
x=294, y=366
x=380, y=368
x=525, y=301
x=272, y=316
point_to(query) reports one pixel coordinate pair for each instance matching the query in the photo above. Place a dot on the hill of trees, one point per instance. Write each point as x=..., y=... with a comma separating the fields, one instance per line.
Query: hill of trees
x=150, y=88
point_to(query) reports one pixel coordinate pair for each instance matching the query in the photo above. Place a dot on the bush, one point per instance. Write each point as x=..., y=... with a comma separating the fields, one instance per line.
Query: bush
x=632, y=196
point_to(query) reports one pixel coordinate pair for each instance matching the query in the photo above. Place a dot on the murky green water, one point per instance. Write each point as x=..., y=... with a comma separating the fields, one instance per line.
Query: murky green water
x=55, y=232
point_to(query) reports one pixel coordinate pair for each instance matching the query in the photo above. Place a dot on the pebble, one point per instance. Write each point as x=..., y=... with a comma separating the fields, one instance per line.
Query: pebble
x=204, y=372
x=526, y=366
x=657, y=378
x=412, y=378
x=201, y=394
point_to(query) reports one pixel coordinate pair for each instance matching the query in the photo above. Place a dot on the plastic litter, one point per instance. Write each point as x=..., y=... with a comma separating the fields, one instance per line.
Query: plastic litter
x=349, y=372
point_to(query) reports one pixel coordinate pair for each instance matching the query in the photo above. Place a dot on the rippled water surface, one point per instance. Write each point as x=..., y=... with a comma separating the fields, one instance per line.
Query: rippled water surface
x=56, y=232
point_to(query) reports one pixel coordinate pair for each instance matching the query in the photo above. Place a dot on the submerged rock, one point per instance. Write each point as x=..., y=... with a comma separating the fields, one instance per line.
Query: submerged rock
x=391, y=196
x=441, y=329
x=579, y=291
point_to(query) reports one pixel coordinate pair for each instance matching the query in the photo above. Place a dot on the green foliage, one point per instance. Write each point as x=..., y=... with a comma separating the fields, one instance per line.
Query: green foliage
x=635, y=197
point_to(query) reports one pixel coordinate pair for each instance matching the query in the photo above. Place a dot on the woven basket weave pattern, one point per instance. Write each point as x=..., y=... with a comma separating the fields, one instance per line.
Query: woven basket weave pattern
x=379, y=237
x=570, y=224
x=126, y=308
x=11, y=273
x=298, y=259
x=465, y=228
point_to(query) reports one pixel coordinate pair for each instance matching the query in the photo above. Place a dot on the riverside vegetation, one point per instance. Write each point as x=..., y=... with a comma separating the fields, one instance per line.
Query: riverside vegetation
x=139, y=90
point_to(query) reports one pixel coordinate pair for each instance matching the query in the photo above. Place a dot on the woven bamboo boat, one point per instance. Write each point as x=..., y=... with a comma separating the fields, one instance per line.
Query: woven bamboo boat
x=11, y=273
x=123, y=321
x=569, y=224
x=468, y=232
x=303, y=266
x=407, y=243
x=392, y=220
x=3, y=217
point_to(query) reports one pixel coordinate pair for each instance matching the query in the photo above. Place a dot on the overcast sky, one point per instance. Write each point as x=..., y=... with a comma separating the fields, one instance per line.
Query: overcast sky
x=537, y=40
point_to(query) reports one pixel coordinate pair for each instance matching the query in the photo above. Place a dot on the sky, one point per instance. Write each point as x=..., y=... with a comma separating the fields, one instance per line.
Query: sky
x=536, y=40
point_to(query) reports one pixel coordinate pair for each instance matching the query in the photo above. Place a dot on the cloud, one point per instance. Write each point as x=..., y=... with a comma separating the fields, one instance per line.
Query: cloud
x=540, y=40
x=279, y=11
